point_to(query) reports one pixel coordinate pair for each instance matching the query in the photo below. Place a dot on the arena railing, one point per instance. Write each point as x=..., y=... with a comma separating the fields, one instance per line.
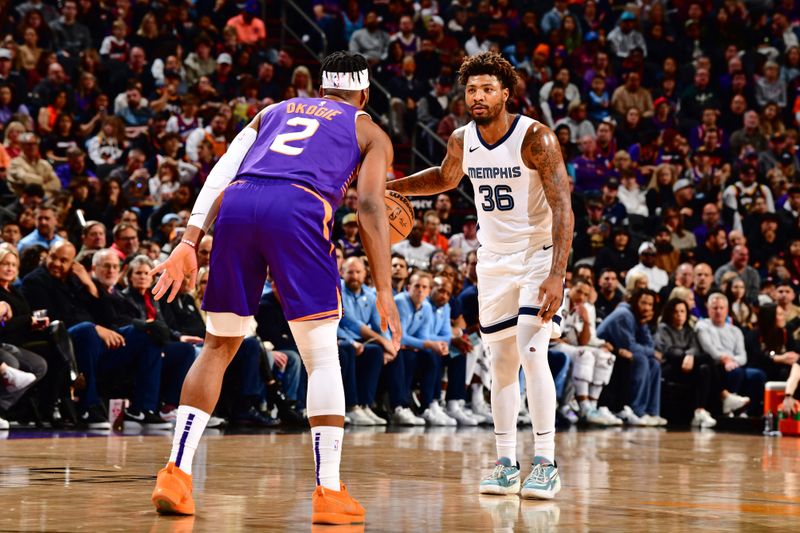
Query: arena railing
x=291, y=8
x=379, y=100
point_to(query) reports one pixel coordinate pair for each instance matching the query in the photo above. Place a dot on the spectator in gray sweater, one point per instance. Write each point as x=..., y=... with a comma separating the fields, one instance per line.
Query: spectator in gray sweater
x=683, y=362
x=724, y=343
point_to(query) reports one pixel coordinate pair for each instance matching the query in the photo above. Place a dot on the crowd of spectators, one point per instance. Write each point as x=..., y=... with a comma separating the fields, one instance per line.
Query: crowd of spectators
x=678, y=123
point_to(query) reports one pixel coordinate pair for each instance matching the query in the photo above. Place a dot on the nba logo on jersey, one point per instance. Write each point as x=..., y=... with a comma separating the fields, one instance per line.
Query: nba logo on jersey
x=336, y=445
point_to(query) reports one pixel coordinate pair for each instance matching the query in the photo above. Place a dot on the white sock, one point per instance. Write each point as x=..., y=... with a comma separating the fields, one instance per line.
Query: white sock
x=505, y=409
x=533, y=342
x=585, y=406
x=327, y=443
x=594, y=392
x=189, y=427
x=477, y=394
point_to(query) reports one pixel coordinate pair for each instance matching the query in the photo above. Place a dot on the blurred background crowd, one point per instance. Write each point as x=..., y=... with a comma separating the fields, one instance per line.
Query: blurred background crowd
x=678, y=123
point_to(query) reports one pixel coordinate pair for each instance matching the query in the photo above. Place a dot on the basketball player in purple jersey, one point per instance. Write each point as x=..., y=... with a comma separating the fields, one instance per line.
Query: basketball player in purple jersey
x=275, y=190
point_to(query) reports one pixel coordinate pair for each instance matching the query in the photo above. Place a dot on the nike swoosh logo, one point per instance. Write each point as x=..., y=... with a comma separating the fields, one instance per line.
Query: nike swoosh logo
x=473, y=149
x=135, y=417
x=547, y=247
x=542, y=434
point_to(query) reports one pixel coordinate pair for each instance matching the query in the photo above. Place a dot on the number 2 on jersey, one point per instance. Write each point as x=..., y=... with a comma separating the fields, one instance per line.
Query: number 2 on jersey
x=498, y=197
x=279, y=145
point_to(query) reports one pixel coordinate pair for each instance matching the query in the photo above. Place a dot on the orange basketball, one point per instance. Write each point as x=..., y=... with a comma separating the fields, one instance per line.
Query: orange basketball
x=401, y=215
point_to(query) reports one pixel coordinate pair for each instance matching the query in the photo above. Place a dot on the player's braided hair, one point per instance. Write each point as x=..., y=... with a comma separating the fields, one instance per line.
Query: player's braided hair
x=488, y=63
x=344, y=62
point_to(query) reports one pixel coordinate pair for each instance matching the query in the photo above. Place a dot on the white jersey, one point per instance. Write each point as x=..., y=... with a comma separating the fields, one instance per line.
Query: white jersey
x=513, y=213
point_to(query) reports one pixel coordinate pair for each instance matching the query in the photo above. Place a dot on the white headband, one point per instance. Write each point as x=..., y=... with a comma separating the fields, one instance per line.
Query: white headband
x=347, y=81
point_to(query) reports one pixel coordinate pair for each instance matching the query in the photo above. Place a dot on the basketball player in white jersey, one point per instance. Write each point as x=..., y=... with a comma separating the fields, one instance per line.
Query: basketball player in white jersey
x=526, y=226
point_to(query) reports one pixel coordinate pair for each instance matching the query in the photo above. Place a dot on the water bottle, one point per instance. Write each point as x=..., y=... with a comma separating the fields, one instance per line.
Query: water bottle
x=769, y=419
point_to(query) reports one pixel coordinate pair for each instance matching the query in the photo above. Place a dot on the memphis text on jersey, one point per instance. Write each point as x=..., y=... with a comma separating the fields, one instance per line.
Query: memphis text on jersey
x=494, y=172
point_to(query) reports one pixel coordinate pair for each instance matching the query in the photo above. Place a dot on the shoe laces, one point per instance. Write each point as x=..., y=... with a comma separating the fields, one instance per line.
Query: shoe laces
x=539, y=473
x=497, y=473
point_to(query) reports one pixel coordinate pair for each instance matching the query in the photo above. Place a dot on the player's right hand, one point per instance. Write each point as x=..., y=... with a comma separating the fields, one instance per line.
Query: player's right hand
x=387, y=309
x=180, y=263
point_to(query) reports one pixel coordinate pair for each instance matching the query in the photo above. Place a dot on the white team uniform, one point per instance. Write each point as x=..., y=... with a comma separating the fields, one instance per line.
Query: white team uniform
x=514, y=229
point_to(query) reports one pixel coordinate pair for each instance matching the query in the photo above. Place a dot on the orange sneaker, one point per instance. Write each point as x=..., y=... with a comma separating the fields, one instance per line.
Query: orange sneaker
x=335, y=507
x=173, y=492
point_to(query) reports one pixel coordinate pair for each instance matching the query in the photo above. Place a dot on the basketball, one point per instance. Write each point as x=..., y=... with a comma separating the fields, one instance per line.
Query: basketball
x=401, y=216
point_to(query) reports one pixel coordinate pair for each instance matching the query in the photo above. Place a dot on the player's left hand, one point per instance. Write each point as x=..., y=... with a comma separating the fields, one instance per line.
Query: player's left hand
x=551, y=292
x=180, y=263
x=387, y=310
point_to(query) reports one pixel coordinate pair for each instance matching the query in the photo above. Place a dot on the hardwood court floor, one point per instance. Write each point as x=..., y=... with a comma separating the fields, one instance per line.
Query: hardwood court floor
x=623, y=480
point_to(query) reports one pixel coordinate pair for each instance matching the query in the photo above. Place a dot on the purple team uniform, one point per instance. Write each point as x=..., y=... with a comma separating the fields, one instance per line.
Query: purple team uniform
x=278, y=212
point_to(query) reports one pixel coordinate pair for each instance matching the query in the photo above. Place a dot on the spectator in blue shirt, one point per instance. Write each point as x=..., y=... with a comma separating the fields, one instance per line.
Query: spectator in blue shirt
x=45, y=232
x=360, y=329
x=455, y=360
x=626, y=328
x=420, y=350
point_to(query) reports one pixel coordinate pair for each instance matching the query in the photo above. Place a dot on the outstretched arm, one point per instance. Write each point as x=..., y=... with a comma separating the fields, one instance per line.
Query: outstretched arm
x=372, y=221
x=540, y=150
x=435, y=179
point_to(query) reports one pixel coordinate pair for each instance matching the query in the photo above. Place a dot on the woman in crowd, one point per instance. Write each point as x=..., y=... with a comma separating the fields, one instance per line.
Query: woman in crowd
x=779, y=349
x=683, y=361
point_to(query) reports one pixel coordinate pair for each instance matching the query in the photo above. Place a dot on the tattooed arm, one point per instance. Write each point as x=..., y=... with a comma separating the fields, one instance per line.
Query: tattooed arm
x=435, y=179
x=541, y=151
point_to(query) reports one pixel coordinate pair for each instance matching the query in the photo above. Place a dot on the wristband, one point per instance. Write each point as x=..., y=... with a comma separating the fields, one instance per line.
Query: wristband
x=190, y=243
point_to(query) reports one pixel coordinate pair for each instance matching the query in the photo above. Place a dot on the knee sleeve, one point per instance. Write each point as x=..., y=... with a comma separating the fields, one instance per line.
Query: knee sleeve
x=505, y=361
x=583, y=364
x=316, y=340
x=603, y=367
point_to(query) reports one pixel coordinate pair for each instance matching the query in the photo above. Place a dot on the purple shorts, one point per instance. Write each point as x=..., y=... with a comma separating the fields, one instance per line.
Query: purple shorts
x=275, y=224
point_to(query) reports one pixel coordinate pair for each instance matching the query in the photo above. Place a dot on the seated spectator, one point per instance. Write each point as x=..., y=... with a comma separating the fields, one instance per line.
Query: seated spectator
x=713, y=250
x=779, y=350
x=656, y=277
x=703, y=286
x=675, y=220
x=418, y=357
x=626, y=328
x=632, y=95
x=667, y=256
x=370, y=41
x=724, y=343
x=739, y=197
x=30, y=169
x=631, y=196
x=414, y=249
x=350, y=241
x=45, y=233
x=104, y=355
x=592, y=360
x=618, y=255
x=738, y=264
x=126, y=240
x=742, y=313
x=454, y=362
x=609, y=295
x=361, y=328
x=659, y=193
x=467, y=240
x=684, y=362
x=399, y=273
x=432, y=236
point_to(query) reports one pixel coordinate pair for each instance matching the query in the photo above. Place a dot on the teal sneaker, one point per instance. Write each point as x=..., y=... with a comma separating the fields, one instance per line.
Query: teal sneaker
x=504, y=479
x=543, y=482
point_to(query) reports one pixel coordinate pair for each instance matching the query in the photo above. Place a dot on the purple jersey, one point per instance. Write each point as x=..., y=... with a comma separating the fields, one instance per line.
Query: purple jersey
x=309, y=141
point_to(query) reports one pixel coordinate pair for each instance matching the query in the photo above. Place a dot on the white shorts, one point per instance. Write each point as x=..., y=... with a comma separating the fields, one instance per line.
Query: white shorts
x=508, y=290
